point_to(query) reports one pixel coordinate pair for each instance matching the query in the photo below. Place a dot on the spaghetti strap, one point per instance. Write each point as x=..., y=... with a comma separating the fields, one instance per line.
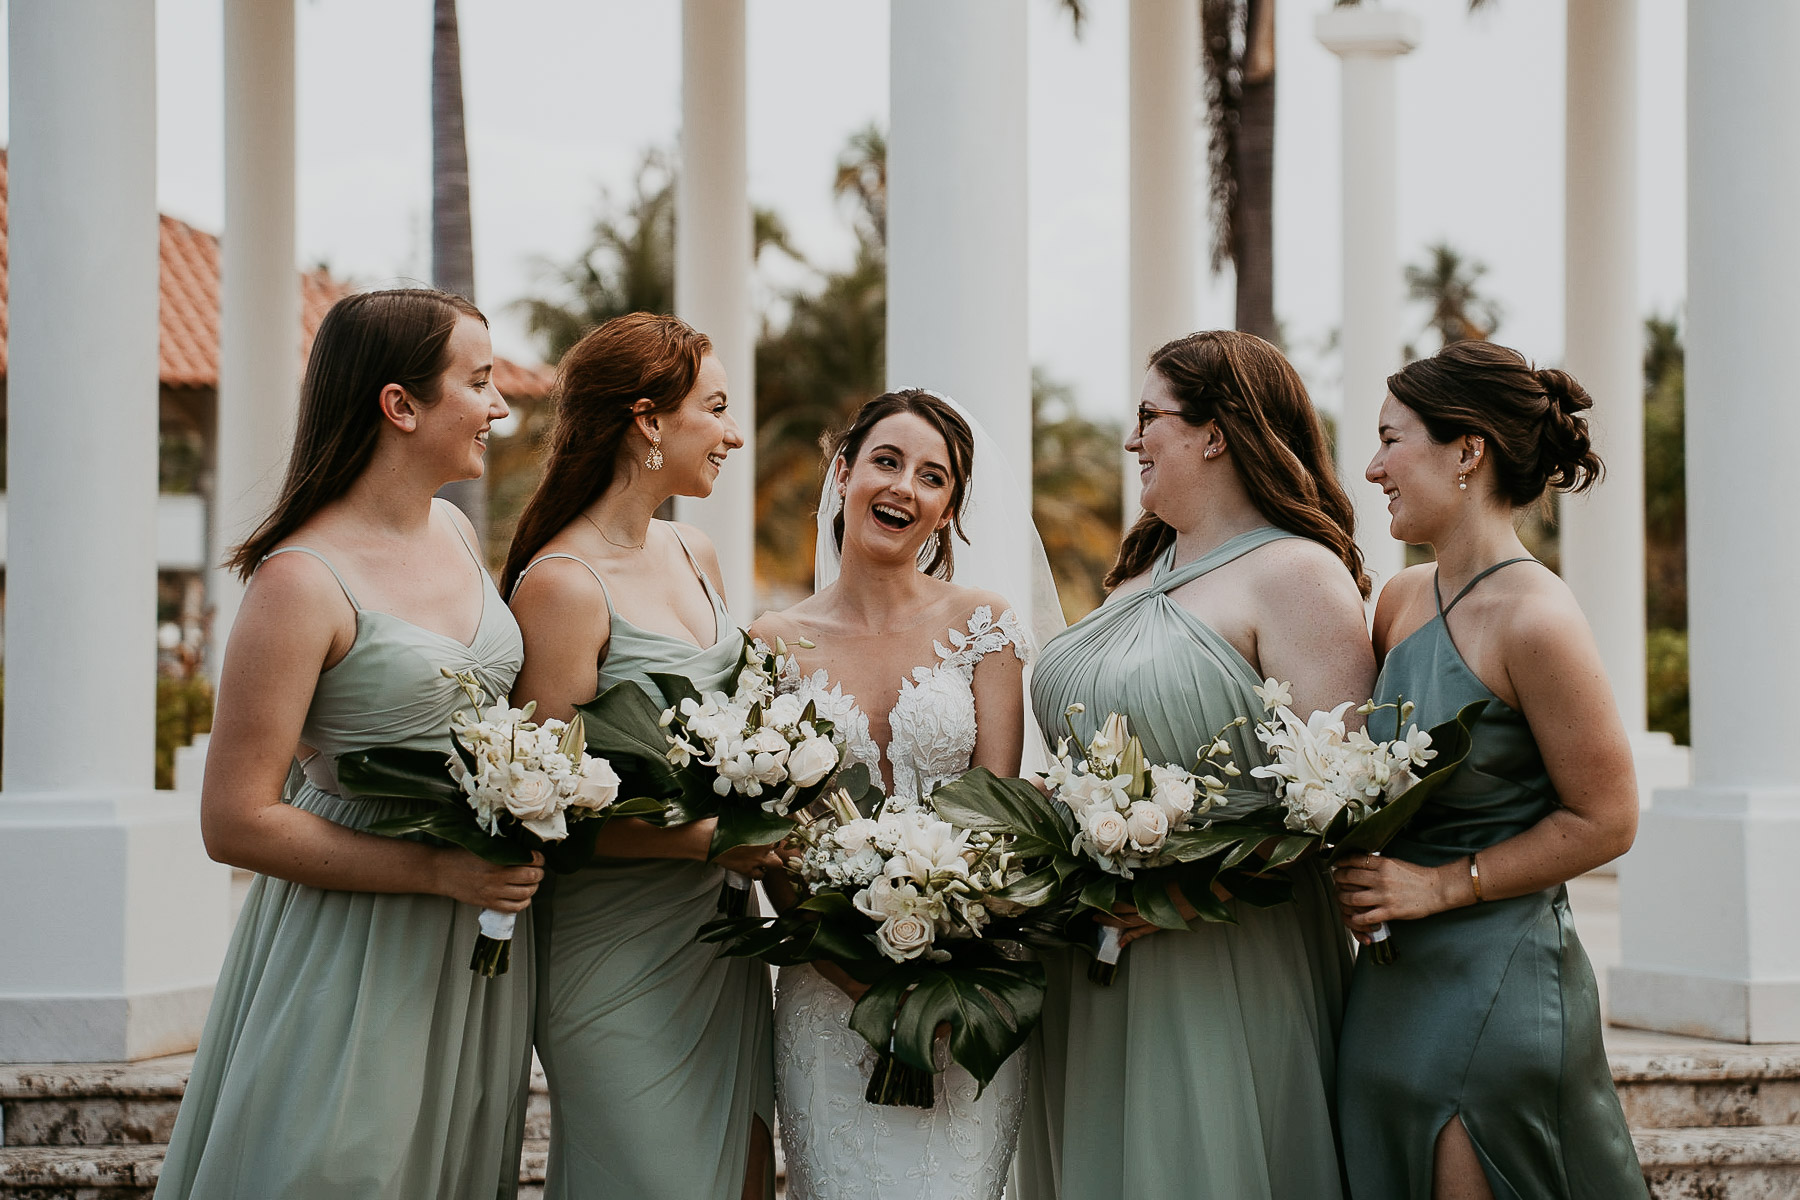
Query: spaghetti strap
x=308, y=550
x=467, y=545
x=572, y=558
x=1444, y=609
x=705, y=583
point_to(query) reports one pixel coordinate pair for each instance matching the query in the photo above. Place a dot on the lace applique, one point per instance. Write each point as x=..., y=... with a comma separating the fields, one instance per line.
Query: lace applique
x=841, y=710
x=984, y=636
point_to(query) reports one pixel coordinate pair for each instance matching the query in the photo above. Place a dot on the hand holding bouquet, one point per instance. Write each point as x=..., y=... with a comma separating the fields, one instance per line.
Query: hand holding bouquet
x=512, y=787
x=904, y=901
x=750, y=757
x=1347, y=790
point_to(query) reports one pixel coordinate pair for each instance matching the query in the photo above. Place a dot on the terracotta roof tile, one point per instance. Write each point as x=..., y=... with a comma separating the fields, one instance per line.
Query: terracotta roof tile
x=190, y=310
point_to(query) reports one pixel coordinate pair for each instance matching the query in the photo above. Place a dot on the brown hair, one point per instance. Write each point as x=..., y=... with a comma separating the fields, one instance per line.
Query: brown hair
x=366, y=342
x=1277, y=445
x=639, y=356
x=936, y=557
x=1531, y=420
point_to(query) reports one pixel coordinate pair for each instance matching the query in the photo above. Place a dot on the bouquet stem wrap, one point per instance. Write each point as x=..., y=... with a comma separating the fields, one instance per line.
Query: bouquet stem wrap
x=1105, y=967
x=898, y=1083
x=493, y=948
x=734, y=896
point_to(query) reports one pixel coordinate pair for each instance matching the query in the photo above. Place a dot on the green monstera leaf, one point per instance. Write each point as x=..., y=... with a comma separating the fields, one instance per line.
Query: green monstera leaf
x=991, y=1008
x=395, y=772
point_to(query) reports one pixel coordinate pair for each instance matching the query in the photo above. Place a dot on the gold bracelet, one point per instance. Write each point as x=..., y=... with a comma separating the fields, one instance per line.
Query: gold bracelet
x=1475, y=877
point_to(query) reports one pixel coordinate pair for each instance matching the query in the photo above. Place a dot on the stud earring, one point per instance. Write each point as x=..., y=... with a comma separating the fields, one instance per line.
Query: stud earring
x=654, y=460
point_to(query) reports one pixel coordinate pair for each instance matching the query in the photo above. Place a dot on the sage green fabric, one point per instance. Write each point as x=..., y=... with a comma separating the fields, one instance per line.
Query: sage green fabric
x=1490, y=1012
x=658, y=1052
x=1206, y=1069
x=350, y=1053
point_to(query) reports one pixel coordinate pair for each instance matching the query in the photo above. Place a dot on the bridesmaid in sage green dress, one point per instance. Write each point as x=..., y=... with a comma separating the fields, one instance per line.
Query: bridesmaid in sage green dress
x=1207, y=1068
x=1472, y=1066
x=351, y=1054
x=657, y=1050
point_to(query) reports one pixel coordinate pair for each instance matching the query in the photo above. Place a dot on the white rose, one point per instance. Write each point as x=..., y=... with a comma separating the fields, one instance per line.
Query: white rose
x=766, y=740
x=811, y=761
x=785, y=710
x=905, y=936
x=855, y=835
x=597, y=785
x=1147, y=826
x=1311, y=809
x=531, y=796
x=1106, y=828
x=883, y=899
x=1174, y=791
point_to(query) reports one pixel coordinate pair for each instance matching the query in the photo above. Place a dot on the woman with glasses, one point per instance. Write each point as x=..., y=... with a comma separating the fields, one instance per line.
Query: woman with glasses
x=1207, y=1067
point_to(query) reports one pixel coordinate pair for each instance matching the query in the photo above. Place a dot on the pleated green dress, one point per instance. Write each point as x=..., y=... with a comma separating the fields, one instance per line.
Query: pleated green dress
x=350, y=1053
x=1490, y=1012
x=1207, y=1068
x=657, y=1051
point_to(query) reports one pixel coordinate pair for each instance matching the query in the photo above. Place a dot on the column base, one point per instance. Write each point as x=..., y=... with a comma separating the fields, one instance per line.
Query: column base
x=1706, y=903
x=123, y=923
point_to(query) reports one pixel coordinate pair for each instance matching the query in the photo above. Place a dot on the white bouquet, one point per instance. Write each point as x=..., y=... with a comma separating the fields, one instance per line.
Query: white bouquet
x=1343, y=787
x=512, y=787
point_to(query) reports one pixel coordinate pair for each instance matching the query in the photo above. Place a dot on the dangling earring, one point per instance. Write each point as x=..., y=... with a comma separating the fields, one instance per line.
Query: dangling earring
x=654, y=459
x=1462, y=483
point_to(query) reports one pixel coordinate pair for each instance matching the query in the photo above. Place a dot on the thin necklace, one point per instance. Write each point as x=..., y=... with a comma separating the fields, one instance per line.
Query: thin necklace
x=620, y=545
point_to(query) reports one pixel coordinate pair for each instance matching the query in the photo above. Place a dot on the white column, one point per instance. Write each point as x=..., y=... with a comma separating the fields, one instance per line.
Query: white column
x=115, y=919
x=1165, y=217
x=1603, y=532
x=1708, y=899
x=1368, y=39
x=713, y=258
x=259, y=290
x=957, y=266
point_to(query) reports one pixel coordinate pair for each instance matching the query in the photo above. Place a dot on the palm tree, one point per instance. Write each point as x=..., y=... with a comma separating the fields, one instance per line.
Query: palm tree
x=452, y=236
x=1450, y=284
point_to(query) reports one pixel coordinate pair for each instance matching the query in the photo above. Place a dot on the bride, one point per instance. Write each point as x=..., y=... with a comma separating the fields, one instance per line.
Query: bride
x=928, y=678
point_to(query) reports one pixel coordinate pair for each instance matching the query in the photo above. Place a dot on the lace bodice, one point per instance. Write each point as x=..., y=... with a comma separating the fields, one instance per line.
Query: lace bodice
x=932, y=726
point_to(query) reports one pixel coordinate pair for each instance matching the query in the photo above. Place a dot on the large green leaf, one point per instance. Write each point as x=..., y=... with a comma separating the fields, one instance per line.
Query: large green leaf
x=621, y=725
x=1150, y=895
x=1452, y=740
x=742, y=822
x=399, y=773
x=457, y=826
x=675, y=688
x=983, y=800
x=991, y=1010
x=865, y=792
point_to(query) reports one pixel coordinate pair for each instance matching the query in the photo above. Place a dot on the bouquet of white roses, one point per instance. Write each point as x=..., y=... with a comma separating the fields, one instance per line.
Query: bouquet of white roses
x=1116, y=828
x=750, y=757
x=905, y=901
x=511, y=787
x=1344, y=788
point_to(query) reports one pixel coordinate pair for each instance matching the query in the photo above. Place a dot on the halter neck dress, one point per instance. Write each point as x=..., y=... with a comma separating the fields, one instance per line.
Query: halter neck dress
x=1490, y=1012
x=657, y=1050
x=350, y=1053
x=1206, y=1069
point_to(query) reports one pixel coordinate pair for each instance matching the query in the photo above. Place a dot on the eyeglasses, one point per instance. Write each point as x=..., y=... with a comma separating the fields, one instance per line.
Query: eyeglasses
x=1146, y=414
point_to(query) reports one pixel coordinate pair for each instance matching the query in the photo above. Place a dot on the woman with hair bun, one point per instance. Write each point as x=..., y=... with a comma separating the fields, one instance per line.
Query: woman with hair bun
x=1472, y=1066
x=656, y=1049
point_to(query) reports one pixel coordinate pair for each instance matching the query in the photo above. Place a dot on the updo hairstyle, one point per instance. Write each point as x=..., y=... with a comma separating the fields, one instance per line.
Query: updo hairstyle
x=937, y=557
x=1533, y=421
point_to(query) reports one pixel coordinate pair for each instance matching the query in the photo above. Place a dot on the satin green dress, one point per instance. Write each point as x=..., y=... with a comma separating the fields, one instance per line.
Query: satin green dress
x=657, y=1051
x=1207, y=1068
x=350, y=1053
x=1490, y=1011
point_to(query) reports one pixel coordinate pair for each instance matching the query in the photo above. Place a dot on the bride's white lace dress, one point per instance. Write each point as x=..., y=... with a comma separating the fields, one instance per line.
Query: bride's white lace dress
x=837, y=1145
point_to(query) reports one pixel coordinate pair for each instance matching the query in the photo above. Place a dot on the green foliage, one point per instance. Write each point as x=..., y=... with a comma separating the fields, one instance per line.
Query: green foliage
x=1449, y=284
x=184, y=710
x=1665, y=475
x=1076, y=499
x=1666, y=666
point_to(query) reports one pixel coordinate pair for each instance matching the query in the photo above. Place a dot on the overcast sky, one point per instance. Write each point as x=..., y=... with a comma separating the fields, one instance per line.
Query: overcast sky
x=563, y=96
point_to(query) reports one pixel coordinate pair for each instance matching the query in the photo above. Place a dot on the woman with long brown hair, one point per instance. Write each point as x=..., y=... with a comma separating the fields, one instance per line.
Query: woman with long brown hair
x=1473, y=1065
x=656, y=1049
x=350, y=1051
x=1206, y=1068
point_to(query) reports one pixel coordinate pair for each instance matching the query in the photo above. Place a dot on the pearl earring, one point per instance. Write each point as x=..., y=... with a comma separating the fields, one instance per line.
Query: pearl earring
x=1462, y=483
x=654, y=460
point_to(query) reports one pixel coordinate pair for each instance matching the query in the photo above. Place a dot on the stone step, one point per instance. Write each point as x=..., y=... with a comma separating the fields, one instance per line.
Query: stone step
x=1721, y=1163
x=128, y=1104
x=130, y=1172
x=1736, y=1086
